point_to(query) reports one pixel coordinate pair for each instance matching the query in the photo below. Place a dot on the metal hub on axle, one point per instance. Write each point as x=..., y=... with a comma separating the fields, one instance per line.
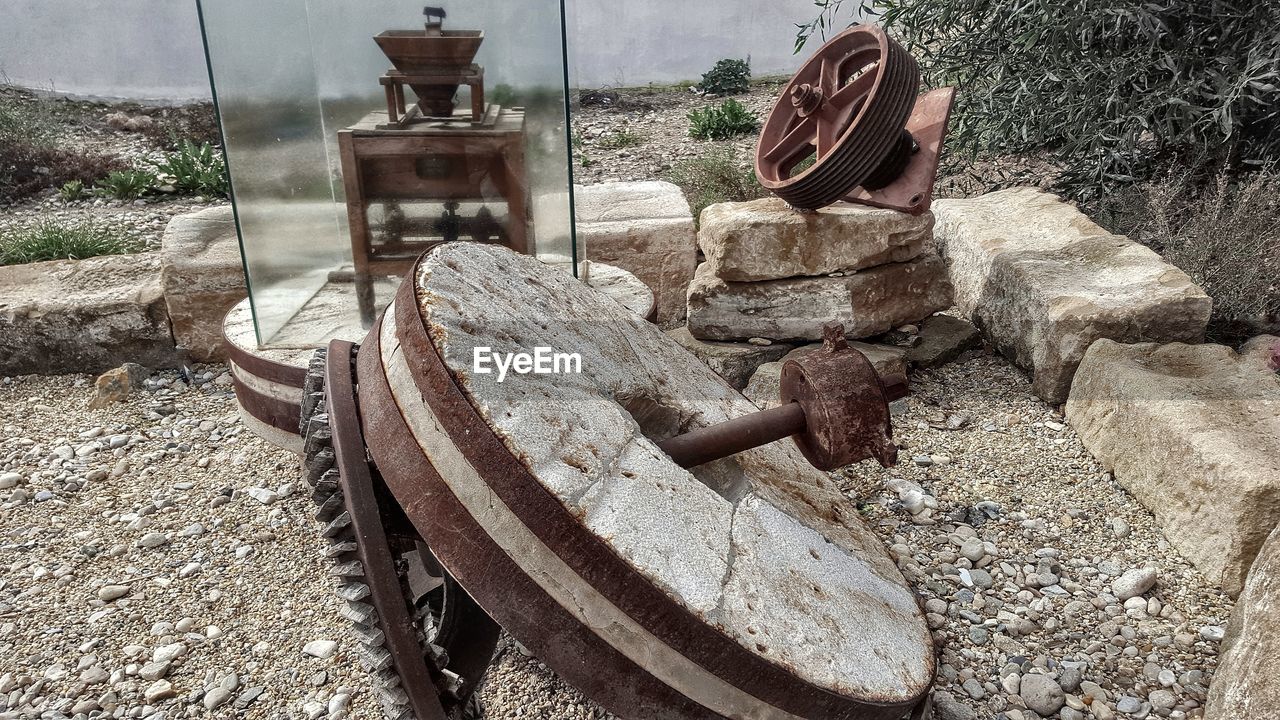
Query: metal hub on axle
x=850, y=127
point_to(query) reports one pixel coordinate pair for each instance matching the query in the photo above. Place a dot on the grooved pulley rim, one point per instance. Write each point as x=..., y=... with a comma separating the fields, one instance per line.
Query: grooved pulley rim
x=846, y=108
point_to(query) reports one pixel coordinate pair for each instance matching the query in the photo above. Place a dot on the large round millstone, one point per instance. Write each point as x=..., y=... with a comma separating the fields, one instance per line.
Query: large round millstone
x=747, y=588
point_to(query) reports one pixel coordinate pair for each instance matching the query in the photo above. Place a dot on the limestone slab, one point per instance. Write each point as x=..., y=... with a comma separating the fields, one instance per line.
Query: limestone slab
x=1193, y=432
x=1247, y=681
x=84, y=316
x=868, y=302
x=766, y=239
x=765, y=382
x=645, y=228
x=942, y=339
x=1043, y=281
x=203, y=278
x=735, y=362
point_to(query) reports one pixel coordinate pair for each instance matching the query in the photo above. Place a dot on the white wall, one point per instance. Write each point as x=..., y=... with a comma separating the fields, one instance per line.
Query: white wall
x=623, y=43
x=137, y=49
x=151, y=49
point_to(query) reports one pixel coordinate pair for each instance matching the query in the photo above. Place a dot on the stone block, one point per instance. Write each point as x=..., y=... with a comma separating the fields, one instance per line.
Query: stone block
x=1043, y=281
x=768, y=240
x=942, y=339
x=1247, y=681
x=1193, y=432
x=868, y=302
x=645, y=228
x=763, y=387
x=84, y=316
x=203, y=279
x=735, y=362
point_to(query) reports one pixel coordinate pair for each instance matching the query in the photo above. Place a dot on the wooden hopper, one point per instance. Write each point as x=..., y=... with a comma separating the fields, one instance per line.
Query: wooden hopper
x=422, y=55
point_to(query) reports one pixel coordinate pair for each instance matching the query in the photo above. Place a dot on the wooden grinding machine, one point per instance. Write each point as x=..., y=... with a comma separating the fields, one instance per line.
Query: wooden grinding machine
x=638, y=525
x=455, y=162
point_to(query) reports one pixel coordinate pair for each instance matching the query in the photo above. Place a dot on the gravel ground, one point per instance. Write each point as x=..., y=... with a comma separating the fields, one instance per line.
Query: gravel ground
x=1015, y=544
x=1027, y=554
x=658, y=117
x=218, y=592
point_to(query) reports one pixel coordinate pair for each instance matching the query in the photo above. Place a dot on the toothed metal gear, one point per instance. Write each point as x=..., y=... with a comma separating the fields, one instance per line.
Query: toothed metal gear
x=454, y=640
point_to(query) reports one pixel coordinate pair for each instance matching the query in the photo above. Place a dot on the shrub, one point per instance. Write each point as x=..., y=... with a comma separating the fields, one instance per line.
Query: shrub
x=727, y=77
x=1226, y=236
x=620, y=138
x=55, y=241
x=195, y=169
x=715, y=176
x=125, y=184
x=1109, y=88
x=71, y=190
x=721, y=122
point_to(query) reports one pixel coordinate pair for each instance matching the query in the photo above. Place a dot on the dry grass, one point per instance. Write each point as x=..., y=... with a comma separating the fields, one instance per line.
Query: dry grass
x=717, y=175
x=1225, y=235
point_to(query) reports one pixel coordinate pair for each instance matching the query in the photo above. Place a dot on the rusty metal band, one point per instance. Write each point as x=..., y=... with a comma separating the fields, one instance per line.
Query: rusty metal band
x=290, y=375
x=490, y=575
x=593, y=560
x=279, y=414
x=371, y=541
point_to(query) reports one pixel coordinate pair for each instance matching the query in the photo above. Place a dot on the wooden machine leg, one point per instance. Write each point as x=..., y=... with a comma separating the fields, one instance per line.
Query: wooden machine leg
x=358, y=222
x=517, y=196
x=392, y=106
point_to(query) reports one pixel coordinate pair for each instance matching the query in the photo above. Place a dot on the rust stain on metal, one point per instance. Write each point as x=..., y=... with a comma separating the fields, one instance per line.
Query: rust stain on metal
x=834, y=404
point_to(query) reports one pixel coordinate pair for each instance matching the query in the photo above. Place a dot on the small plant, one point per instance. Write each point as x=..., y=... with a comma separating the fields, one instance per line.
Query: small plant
x=721, y=122
x=727, y=77
x=195, y=169
x=125, y=184
x=50, y=240
x=716, y=176
x=619, y=139
x=71, y=190
x=586, y=160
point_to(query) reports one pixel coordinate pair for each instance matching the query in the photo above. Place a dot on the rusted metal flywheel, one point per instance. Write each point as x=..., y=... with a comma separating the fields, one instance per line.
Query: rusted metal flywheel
x=850, y=127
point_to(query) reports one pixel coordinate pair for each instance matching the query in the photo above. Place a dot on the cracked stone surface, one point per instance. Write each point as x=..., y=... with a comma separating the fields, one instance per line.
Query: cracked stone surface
x=742, y=543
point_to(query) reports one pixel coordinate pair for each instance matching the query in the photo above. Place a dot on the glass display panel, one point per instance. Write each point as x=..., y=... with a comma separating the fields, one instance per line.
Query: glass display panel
x=358, y=132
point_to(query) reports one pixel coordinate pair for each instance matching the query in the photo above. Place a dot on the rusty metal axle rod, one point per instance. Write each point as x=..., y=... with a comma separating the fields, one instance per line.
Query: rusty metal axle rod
x=833, y=402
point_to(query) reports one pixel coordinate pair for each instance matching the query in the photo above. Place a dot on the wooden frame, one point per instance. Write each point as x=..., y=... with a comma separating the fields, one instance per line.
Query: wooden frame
x=382, y=163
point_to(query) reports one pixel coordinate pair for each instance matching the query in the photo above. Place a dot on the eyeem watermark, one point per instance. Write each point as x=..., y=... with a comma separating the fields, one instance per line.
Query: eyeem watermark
x=542, y=361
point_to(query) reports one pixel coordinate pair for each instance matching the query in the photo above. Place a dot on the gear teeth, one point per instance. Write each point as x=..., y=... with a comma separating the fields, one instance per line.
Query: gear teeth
x=327, y=484
x=338, y=549
x=352, y=592
x=359, y=613
x=397, y=712
x=392, y=696
x=369, y=635
x=386, y=678
x=338, y=525
x=374, y=658
x=353, y=569
x=317, y=434
x=319, y=465
x=329, y=508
